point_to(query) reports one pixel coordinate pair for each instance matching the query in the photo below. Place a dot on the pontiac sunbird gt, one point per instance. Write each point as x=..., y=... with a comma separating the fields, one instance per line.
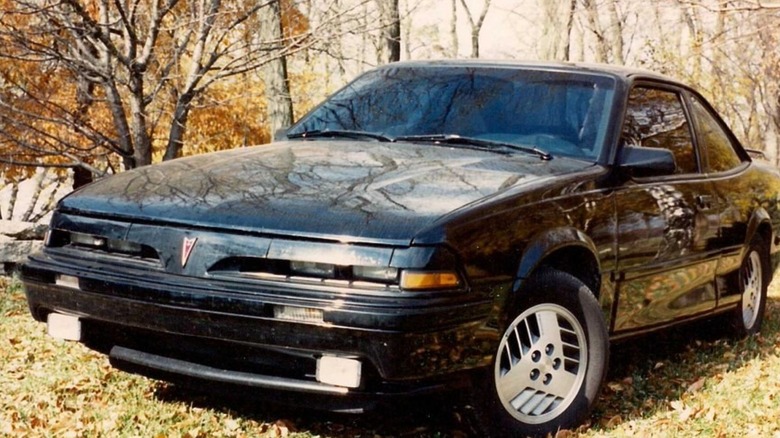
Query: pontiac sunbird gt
x=480, y=227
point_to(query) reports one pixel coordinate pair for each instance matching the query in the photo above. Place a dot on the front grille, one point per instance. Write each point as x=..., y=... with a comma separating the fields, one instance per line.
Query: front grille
x=372, y=277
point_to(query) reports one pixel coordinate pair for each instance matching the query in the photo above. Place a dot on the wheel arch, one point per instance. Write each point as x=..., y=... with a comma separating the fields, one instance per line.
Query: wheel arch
x=759, y=225
x=565, y=249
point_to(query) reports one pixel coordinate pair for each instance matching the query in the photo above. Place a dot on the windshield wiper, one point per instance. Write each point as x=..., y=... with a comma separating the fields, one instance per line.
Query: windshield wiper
x=339, y=133
x=485, y=144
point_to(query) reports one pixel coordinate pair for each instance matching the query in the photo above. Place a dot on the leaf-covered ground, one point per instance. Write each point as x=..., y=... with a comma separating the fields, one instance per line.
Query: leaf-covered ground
x=692, y=381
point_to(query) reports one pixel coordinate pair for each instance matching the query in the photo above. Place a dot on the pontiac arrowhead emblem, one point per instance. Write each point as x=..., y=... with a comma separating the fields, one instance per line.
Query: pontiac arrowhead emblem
x=186, y=249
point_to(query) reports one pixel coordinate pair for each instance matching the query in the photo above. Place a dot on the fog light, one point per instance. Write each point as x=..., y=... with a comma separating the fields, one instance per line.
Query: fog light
x=300, y=314
x=339, y=371
x=65, y=327
x=67, y=281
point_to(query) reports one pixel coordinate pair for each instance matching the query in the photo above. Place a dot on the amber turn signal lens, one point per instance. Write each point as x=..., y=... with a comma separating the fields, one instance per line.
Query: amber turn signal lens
x=429, y=280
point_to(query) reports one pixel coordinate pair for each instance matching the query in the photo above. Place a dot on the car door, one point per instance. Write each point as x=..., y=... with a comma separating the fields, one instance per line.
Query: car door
x=667, y=225
x=738, y=192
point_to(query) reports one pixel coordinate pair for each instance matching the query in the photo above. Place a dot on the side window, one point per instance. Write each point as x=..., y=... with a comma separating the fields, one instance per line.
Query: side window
x=714, y=140
x=655, y=118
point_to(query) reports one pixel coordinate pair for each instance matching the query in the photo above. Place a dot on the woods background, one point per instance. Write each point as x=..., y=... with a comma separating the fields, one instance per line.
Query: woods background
x=92, y=87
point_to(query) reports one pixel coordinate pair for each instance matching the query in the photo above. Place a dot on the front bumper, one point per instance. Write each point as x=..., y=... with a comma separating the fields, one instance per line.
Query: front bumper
x=179, y=327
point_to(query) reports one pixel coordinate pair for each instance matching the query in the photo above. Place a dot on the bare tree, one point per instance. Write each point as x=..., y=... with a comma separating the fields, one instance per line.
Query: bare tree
x=454, y=28
x=557, y=24
x=728, y=49
x=476, y=25
x=736, y=6
x=279, y=106
x=390, y=19
x=609, y=45
x=692, y=21
x=592, y=13
x=144, y=62
x=615, y=31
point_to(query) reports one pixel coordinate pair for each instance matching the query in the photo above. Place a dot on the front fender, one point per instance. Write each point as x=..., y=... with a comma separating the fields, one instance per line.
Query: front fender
x=546, y=243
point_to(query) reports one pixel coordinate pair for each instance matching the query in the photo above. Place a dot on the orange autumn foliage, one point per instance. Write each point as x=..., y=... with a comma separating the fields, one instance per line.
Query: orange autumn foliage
x=50, y=116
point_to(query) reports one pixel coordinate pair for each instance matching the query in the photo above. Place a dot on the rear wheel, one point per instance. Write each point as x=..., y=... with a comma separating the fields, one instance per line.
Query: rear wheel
x=747, y=318
x=550, y=362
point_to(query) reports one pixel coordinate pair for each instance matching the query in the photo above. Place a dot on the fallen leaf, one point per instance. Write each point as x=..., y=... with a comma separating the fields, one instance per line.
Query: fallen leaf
x=614, y=421
x=696, y=386
x=231, y=424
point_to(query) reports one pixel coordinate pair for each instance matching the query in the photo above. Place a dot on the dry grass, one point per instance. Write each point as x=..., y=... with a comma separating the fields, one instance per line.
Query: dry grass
x=693, y=381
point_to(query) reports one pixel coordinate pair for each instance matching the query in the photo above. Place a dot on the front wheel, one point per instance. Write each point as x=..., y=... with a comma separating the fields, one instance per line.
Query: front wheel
x=551, y=360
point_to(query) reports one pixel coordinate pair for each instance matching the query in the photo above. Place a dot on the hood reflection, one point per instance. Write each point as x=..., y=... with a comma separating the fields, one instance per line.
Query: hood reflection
x=339, y=188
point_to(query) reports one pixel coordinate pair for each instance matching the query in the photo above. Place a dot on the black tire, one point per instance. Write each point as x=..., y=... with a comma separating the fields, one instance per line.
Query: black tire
x=753, y=283
x=560, y=329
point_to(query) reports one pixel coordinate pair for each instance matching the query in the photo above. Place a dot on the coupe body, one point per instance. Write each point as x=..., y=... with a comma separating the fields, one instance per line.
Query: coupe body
x=433, y=226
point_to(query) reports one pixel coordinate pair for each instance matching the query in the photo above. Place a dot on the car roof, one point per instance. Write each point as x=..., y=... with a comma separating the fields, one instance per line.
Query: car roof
x=618, y=71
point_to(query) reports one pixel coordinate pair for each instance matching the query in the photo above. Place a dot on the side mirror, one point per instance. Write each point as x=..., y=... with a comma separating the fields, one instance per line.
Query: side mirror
x=638, y=161
x=281, y=134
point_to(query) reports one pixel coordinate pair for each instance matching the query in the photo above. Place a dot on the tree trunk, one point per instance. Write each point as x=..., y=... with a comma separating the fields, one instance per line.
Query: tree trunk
x=578, y=37
x=454, y=28
x=558, y=20
x=476, y=25
x=12, y=200
x=407, y=34
x=178, y=127
x=142, y=144
x=474, y=43
x=692, y=21
x=592, y=12
x=119, y=118
x=616, y=34
x=390, y=18
x=38, y=180
x=279, y=107
x=569, y=29
x=49, y=204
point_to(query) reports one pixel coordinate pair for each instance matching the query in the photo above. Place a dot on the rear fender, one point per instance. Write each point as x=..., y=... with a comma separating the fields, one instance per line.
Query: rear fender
x=759, y=217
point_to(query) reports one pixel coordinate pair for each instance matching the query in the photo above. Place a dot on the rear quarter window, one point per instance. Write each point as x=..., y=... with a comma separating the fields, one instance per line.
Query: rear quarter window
x=713, y=139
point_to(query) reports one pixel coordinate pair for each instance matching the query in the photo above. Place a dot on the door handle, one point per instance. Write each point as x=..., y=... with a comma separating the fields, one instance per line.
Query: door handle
x=704, y=202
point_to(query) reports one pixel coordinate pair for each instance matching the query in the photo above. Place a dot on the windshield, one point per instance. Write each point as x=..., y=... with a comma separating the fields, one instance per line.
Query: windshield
x=558, y=112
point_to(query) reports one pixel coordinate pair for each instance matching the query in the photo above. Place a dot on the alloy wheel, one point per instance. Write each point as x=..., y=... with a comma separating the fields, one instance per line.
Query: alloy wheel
x=541, y=363
x=751, y=277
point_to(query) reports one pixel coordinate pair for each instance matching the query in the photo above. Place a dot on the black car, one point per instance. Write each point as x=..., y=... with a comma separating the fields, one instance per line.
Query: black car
x=433, y=226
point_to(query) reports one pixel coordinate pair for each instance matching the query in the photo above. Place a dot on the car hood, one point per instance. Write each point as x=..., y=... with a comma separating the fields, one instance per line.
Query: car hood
x=349, y=191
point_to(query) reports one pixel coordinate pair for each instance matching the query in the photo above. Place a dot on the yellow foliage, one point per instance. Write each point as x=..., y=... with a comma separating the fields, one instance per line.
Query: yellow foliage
x=49, y=117
x=229, y=115
x=39, y=105
x=293, y=22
